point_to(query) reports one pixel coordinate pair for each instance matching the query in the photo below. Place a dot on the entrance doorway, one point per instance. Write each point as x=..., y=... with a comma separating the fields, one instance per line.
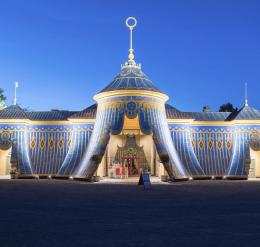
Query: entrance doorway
x=131, y=165
x=129, y=160
x=5, y=162
x=254, y=170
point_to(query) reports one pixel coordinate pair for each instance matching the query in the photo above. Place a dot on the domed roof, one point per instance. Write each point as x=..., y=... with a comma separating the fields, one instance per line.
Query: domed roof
x=130, y=78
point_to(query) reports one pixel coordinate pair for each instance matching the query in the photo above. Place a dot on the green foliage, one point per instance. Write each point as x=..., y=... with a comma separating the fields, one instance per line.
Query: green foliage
x=206, y=108
x=228, y=107
x=2, y=97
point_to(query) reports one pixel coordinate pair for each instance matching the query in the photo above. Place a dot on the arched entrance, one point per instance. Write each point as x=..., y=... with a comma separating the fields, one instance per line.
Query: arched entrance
x=132, y=158
x=5, y=162
x=254, y=170
x=129, y=153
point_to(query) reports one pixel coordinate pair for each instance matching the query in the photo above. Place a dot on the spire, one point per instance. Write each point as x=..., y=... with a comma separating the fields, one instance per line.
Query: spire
x=131, y=62
x=246, y=97
x=16, y=85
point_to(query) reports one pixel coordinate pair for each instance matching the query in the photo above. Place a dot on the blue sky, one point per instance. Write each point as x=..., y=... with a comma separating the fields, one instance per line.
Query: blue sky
x=199, y=52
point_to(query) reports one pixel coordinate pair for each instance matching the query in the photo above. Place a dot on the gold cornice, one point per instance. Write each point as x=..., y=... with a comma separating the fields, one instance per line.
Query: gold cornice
x=82, y=120
x=226, y=123
x=15, y=121
x=169, y=121
x=63, y=122
x=213, y=123
x=199, y=123
x=118, y=93
x=247, y=122
x=180, y=121
x=29, y=122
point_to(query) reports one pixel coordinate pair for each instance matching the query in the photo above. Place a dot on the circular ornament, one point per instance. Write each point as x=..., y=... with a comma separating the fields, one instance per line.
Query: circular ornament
x=128, y=22
x=255, y=137
x=131, y=106
x=5, y=140
x=6, y=136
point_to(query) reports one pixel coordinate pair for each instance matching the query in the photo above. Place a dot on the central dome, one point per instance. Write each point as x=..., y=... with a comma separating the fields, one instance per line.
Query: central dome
x=130, y=78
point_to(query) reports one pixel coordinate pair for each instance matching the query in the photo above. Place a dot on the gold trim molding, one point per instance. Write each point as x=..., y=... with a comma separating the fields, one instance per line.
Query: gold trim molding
x=118, y=93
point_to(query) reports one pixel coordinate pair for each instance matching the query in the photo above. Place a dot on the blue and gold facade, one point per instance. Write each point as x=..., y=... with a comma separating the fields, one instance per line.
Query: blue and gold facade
x=74, y=144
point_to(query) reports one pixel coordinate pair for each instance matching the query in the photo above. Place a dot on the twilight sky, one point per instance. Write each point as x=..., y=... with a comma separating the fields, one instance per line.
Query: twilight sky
x=199, y=52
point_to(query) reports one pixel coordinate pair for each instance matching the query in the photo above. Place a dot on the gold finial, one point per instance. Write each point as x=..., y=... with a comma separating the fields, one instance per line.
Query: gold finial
x=131, y=24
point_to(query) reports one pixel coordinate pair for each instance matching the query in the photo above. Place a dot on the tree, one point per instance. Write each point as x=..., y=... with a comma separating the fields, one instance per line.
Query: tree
x=206, y=108
x=2, y=97
x=228, y=107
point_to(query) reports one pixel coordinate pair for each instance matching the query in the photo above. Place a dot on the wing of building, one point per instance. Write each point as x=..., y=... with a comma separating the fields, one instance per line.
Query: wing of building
x=130, y=129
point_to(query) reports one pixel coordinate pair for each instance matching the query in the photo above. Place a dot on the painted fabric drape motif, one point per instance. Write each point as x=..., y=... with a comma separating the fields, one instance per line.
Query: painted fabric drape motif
x=109, y=119
x=243, y=140
x=17, y=138
x=76, y=143
x=181, y=137
x=213, y=148
x=153, y=119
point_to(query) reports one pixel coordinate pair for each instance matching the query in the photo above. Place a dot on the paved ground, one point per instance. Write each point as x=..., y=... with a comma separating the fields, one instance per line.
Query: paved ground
x=70, y=213
x=130, y=180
